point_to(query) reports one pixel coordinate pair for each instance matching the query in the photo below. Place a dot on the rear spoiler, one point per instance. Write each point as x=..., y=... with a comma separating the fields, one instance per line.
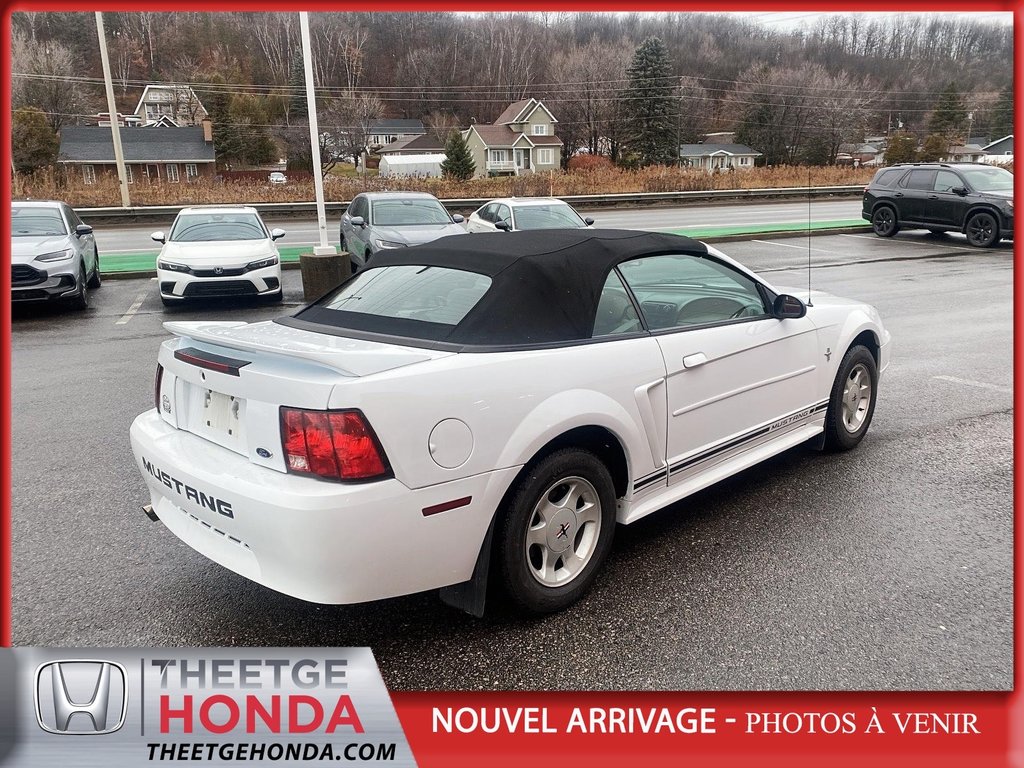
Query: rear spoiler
x=352, y=357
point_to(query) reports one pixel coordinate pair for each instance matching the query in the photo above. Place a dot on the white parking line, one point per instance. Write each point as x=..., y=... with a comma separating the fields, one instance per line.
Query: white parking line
x=964, y=247
x=139, y=301
x=979, y=384
x=798, y=247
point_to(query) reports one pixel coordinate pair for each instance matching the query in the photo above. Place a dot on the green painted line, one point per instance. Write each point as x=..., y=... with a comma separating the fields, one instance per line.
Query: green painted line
x=145, y=261
x=756, y=229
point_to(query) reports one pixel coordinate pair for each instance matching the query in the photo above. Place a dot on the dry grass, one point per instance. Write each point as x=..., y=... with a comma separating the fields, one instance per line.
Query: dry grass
x=597, y=181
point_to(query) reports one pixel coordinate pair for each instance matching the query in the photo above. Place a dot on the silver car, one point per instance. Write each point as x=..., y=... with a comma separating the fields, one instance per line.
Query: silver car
x=53, y=254
x=375, y=221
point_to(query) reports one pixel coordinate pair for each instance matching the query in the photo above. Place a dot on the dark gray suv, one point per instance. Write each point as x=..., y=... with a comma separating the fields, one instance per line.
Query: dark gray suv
x=971, y=198
x=53, y=254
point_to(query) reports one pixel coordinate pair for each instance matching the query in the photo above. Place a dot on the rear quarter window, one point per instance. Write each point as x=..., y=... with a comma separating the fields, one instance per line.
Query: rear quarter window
x=888, y=178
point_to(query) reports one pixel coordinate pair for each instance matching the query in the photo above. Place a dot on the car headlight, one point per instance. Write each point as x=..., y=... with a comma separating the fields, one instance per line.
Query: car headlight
x=388, y=244
x=269, y=262
x=56, y=255
x=172, y=267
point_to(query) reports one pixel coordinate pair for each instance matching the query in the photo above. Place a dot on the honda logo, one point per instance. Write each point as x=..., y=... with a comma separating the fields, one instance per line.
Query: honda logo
x=81, y=697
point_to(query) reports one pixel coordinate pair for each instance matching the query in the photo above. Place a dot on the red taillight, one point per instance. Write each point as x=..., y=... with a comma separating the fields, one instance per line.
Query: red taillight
x=338, y=445
x=156, y=386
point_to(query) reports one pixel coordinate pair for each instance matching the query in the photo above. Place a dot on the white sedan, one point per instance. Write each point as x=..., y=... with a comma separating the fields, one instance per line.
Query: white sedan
x=491, y=407
x=218, y=252
x=514, y=214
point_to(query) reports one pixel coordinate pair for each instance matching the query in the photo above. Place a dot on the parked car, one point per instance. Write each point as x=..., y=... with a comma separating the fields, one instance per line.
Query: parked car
x=218, y=251
x=378, y=221
x=970, y=198
x=278, y=178
x=53, y=254
x=491, y=406
x=512, y=214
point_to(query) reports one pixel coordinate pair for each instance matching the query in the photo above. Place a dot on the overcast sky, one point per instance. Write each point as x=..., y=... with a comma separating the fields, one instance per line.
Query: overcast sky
x=794, y=19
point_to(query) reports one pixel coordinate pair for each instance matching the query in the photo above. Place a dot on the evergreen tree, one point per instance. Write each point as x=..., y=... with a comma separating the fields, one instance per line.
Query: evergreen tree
x=458, y=162
x=648, y=104
x=227, y=140
x=950, y=115
x=34, y=144
x=934, y=148
x=902, y=149
x=1002, y=115
x=298, y=109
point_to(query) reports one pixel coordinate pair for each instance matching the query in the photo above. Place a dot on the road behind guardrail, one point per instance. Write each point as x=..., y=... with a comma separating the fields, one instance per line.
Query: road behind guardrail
x=639, y=199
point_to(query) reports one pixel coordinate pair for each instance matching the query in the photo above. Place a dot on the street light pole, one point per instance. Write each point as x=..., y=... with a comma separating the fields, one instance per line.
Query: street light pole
x=314, y=138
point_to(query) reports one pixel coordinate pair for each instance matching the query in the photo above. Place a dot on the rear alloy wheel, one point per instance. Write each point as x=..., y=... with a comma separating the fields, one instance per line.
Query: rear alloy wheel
x=884, y=221
x=96, y=280
x=556, y=531
x=852, y=402
x=81, y=301
x=982, y=230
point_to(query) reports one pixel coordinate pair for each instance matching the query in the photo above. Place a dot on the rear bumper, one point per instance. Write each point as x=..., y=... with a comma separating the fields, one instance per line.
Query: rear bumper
x=315, y=540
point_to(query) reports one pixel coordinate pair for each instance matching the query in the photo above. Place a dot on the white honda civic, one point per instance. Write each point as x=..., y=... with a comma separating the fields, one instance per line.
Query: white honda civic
x=490, y=407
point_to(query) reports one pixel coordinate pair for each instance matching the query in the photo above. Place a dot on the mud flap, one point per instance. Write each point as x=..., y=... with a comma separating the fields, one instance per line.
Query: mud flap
x=471, y=596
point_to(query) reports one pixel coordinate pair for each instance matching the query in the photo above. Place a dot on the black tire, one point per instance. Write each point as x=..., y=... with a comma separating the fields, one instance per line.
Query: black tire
x=846, y=427
x=96, y=280
x=520, y=565
x=81, y=301
x=982, y=230
x=884, y=221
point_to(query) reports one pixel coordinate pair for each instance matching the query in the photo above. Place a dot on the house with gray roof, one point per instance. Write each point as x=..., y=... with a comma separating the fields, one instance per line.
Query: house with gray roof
x=522, y=140
x=382, y=132
x=717, y=157
x=417, y=145
x=151, y=155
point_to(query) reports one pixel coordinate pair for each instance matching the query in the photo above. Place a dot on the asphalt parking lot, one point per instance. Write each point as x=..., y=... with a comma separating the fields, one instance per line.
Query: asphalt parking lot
x=885, y=569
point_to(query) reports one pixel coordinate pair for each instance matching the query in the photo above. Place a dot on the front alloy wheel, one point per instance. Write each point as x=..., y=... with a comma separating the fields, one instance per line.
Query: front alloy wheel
x=556, y=531
x=884, y=222
x=982, y=230
x=852, y=401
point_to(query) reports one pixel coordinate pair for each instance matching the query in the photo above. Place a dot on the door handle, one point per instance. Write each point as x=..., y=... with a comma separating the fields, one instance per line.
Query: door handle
x=692, y=361
x=933, y=197
x=898, y=194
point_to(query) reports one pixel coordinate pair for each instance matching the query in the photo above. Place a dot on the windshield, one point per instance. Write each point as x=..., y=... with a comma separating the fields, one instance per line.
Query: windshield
x=989, y=179
x=204, y=227
x=553, y=216
x=400, y=213
x=28, y=222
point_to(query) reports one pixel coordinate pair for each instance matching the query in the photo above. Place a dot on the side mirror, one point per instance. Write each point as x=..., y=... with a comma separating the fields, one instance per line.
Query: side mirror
x=458, y=218
x=588, y=221
x=276, y=233
x=788, y=307
x=83, y=229
x=962, y=191
x=358, y=221
x=503, y=226
x=159, y=237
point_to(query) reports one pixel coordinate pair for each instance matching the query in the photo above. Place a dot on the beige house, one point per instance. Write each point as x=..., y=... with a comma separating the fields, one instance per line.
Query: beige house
x=522, y=140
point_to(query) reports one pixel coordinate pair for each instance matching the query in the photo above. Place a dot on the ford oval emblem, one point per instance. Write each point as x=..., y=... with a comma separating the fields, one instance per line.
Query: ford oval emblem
x=263, y=453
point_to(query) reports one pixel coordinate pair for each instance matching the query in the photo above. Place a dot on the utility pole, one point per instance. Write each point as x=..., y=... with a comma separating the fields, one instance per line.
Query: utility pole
x=115, y=129
x=314, y=139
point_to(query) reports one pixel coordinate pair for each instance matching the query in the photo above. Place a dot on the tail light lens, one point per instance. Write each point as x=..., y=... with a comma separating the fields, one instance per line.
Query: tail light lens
x=156, y=386
x=336, y=445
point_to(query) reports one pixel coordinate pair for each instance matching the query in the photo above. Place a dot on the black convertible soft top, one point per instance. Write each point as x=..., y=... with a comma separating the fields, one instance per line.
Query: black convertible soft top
x=545, y=284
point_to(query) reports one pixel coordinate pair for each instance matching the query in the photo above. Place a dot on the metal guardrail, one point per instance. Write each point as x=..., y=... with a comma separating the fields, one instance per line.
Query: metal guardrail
x=146, y=213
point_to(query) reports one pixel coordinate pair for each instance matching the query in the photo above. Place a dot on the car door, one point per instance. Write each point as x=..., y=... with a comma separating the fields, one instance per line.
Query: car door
x=913, y=195
x=736, y=377
x=355, y=239
x=86, y=243
x=945, y=207
x=503, y=213
x=483, y=219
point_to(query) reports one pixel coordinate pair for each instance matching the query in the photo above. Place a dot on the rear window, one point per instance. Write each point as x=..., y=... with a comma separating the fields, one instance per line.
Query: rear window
x=888, y=177
x=419, y=302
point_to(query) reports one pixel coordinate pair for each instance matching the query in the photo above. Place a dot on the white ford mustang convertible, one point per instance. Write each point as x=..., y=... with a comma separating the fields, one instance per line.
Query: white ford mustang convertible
x=490, y=407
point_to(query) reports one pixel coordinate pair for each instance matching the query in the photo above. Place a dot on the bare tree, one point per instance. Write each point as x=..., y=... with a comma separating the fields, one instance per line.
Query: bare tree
x=41, y=75
x=276, y=37
x=440, y=125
